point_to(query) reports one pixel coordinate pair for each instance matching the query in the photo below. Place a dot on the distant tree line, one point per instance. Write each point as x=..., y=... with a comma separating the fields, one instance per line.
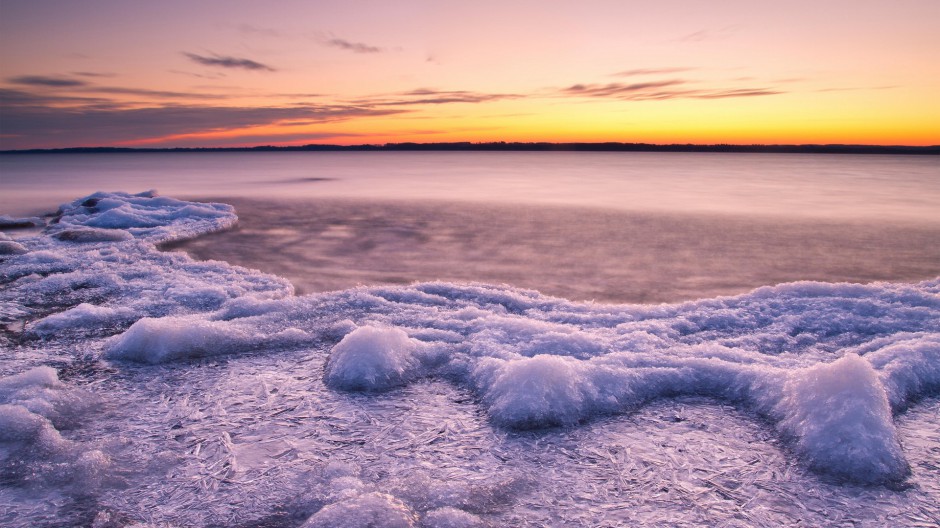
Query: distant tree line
x=502, y=146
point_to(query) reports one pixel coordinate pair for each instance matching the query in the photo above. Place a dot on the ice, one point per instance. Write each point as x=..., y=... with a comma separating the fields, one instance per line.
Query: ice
x=8, y=222
x=450, y=518
x=372, y=359
x=151, y=340
x=82, y=316
x=371, y=509
x=840, y=415
x=144, y=215
x=198, y=393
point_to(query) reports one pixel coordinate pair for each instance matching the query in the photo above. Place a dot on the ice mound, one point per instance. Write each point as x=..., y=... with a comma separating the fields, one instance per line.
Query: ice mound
x=841, y=419
x=909, y=366
x=450, y=518
x=378, y=510
x=372, y=359
x=144, y=215
x=536, y=392
x=34, y=408
x=84, y=315
x=151, y=340
x=27, y=402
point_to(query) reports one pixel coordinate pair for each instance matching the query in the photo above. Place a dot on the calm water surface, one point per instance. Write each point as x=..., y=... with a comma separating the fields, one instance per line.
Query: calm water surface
x=630, y=227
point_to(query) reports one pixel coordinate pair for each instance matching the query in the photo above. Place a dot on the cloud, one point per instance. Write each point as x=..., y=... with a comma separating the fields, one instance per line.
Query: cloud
x=617, y=89
x=650, y=71
x=248, y=29
x=425, y=96
x=710, y=34
x=355, y=47
x=42, y=80
x=661, y=90
x=228, y=62
x=38, y=122
x=93, y=74
x=161, y=94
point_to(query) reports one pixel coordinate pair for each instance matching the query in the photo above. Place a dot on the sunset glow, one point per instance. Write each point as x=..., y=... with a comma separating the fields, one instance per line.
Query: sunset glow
x=216, y=74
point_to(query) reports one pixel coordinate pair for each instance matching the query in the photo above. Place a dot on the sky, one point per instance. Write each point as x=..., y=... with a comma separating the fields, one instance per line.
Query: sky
x=242, y=73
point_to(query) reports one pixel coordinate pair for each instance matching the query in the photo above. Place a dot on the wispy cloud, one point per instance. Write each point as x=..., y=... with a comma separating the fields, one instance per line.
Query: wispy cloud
x=710, y=34
x=618, y=89
x=223, y=61
x=249, y=29
x=650, y=71
x=30, y=120
x=426, y=96
x=76, y=86
x=93, y=74
x=663, y=90
x=48, y=81
x=355, y=47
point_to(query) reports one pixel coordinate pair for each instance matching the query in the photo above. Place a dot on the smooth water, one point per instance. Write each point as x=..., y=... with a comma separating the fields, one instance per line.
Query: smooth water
x=612, y=227
x=840, y=187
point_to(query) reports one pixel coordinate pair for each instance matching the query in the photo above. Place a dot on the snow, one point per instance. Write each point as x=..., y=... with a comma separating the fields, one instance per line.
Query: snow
x=371, y=509
x=371, y=359
x=182, y=388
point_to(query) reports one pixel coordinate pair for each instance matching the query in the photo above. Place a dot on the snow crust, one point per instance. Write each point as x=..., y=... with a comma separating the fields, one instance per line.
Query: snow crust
x=372, y=359
x=829, y=367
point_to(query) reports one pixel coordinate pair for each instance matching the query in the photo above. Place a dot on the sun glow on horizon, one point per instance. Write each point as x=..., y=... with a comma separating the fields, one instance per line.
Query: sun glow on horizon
x=435, y=72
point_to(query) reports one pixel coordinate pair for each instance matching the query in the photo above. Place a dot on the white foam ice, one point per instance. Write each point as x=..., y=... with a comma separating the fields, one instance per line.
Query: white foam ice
x=255, y=384
x=372, y=359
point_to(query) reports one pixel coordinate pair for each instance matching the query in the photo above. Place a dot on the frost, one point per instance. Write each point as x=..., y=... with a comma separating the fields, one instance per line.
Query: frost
x=372, y=359
x=371, y=509
x=840, y=415
x=171, y=338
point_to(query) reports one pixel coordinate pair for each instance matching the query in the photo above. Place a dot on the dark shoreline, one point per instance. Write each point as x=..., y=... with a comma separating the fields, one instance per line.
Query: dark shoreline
x=519, y=147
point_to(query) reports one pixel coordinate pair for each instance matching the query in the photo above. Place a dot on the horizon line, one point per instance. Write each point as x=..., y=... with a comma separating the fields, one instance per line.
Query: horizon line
x=519, y=146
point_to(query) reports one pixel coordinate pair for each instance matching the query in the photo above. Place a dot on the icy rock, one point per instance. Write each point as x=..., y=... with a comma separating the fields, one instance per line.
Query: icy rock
x=839, y=416
x=372, y=359
x=152, y=340
x=377, y=510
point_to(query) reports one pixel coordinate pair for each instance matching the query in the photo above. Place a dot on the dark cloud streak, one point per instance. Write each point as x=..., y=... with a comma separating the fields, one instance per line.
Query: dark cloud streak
x=36, y=122
x=228, y=62
x=355, y=47
x=661, y=91
x=424, y=96
x=650, y=71
x=42, y=80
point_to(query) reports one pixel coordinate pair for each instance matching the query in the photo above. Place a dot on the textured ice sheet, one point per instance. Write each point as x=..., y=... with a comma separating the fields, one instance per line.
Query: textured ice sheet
x=221, y=399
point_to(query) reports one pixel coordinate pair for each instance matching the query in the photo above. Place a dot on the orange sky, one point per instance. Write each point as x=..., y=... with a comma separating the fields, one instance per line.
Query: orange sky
x=232, y=73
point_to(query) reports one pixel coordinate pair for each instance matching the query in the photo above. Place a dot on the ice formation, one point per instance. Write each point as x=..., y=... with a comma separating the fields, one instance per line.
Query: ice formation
x=829, y=366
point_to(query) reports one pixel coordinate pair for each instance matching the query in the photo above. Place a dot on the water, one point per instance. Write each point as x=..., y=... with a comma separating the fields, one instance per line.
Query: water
x=611, y=227
x=838, y=187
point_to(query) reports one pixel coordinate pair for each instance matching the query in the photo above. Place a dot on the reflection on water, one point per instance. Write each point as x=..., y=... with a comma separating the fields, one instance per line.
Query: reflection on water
x=576, y=253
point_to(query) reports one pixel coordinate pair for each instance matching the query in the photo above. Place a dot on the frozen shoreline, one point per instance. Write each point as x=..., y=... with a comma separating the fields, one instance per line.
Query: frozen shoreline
x=828, y=369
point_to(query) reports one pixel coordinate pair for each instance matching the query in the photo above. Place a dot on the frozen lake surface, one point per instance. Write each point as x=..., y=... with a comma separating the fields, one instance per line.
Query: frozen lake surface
x=142, y=387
